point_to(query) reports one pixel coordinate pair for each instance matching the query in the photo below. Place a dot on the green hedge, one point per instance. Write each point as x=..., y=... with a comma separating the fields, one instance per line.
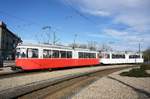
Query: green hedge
x=136, y=72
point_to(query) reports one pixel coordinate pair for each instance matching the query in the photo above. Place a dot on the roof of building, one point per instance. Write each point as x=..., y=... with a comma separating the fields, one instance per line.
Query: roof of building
x=4, y=26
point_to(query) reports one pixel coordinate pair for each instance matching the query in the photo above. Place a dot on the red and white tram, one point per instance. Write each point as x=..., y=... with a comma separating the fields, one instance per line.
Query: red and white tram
x=41, y=56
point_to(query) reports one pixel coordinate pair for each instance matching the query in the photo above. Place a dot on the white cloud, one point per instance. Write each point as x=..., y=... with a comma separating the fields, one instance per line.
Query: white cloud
x=115, y=33
x=96, y=35
x=128, y=39
x=132, y=13
x=96, y=12
x=139, y=23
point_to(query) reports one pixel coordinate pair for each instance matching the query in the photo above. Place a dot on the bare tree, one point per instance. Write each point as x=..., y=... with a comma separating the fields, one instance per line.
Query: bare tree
x=146, y=55
x=92, y=45
x=83, y=46
x=74, y=45
x=104, y=47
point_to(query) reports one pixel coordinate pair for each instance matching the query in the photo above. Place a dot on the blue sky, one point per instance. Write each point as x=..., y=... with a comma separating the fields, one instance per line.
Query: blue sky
x=121, y=24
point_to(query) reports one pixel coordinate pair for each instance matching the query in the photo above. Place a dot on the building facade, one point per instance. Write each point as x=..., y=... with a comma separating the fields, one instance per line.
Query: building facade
x=8, y=42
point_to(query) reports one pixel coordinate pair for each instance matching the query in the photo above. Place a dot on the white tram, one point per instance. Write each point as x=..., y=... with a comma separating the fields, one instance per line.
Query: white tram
x=120, y=57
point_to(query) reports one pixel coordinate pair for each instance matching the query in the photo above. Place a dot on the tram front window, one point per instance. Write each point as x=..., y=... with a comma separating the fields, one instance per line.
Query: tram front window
x=21, y=53
x=17, y=52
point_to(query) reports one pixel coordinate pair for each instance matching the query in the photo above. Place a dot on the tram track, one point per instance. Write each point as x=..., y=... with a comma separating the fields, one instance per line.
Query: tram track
x=57, y=86
x=15, y=73
x=69, y=87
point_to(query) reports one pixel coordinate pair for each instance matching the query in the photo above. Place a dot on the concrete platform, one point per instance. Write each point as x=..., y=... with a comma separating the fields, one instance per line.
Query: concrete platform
x=115, y=86
x=6, y=70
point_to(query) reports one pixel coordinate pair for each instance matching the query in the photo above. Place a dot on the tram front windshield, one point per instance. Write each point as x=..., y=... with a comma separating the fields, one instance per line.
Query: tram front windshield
x=26, y=53
x=21, y=53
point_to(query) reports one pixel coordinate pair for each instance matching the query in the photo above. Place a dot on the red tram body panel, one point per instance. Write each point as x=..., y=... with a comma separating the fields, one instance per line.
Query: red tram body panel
x=31, y=64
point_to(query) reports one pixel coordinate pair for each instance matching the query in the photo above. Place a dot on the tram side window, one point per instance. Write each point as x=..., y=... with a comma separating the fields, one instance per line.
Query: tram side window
x=137, y=56
x=32, y=53
x=63, y=54
x=86, y=55
x=47, y=53
x=55, y=53
x=116, y=56
x=92, y=55
x=69, y=54
x=100, y=55
x=107, y=56
x=134, y=56
x=81, y=54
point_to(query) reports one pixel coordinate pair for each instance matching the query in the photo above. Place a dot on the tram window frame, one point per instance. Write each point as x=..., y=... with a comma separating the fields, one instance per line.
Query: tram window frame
x=63, y=54
x=86, y=55
x=55, y=53
x=23, y=53
x=105, y=55
x=92, y=55
x=18, y=53
x=48, y=53
x=80, y=54
x=134, y=56
x=69, y=54
x=34, y=53
x=118, y=56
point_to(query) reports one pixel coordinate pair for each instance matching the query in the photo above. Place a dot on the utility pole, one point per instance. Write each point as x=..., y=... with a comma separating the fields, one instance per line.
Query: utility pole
x=140, y=41
x=48, y=34
x=55, y=40
x=74, y=42
x=139, y=47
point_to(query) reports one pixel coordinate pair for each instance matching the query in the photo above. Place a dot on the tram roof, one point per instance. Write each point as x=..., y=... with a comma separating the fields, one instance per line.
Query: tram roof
x=44, y=45
x=53, y=46
x=121, y=52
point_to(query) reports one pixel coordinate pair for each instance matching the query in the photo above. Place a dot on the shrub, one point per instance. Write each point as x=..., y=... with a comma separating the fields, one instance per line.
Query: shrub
x=145, y=66
x=136, y=72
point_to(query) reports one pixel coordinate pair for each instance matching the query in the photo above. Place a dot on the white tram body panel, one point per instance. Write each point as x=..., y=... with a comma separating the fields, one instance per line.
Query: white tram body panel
x=120, y=57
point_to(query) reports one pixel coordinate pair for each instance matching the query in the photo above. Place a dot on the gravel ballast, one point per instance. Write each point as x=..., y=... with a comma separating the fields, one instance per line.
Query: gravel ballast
x=115, y=86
